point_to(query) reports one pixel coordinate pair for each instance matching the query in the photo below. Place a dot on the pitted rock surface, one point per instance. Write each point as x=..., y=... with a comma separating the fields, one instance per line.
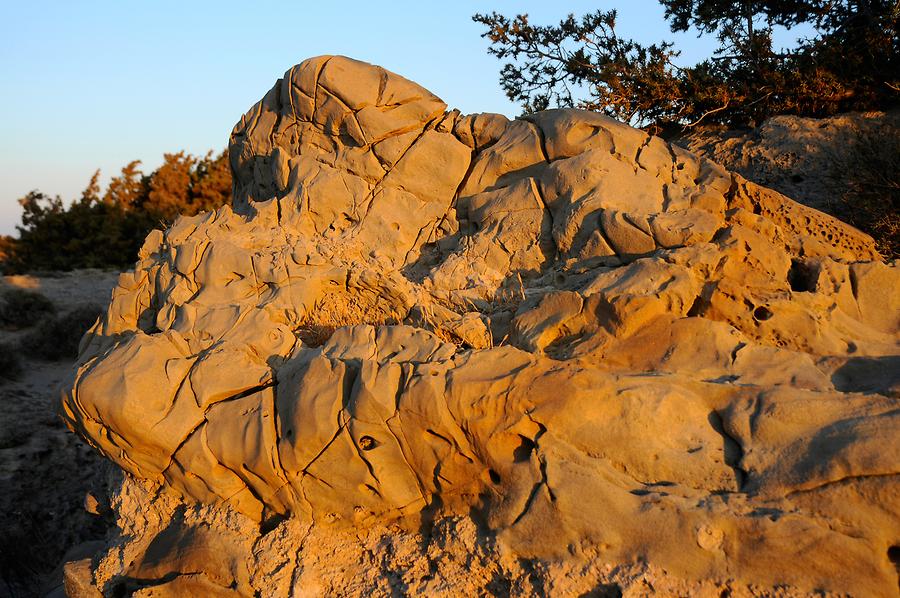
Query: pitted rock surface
x=578, y=334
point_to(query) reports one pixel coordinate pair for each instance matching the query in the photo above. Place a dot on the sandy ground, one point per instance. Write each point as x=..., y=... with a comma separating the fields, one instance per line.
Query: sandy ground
x=45, y=471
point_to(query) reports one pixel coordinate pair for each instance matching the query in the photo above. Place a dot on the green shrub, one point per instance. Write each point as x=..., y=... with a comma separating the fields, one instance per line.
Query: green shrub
x=58, y=338
x=10, y=363
x=23, y=309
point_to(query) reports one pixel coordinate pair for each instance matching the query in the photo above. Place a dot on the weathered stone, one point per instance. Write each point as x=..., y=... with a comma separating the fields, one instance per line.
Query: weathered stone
x=602, y=348
x=78, y=580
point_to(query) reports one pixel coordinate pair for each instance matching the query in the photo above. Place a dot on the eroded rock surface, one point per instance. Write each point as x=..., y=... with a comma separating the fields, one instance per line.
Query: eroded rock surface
x=591, y=345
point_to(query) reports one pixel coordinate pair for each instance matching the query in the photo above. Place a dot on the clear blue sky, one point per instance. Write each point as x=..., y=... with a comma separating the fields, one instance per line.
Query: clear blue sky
x=89, y=85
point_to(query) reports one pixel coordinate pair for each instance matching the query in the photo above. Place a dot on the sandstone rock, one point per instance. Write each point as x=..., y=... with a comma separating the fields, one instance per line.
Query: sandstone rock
x=78, y=580
x=592, y=346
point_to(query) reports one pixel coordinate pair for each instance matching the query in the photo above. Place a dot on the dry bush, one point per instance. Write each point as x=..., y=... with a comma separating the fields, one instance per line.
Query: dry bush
x=868, y=177
x=10, y=363
x=58, y=338
x=21, y=309
x=339, y=309
x=315, y=335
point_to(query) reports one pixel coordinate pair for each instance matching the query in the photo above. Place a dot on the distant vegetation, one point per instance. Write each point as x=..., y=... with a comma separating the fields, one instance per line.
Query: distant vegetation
x=106, y=230
x=851, y=63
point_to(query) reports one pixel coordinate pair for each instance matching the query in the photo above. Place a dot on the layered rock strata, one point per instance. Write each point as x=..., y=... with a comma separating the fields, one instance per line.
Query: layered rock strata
x=585, y=339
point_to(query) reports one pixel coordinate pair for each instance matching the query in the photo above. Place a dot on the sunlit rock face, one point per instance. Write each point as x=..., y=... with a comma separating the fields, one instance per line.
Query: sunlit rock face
x=577, y=335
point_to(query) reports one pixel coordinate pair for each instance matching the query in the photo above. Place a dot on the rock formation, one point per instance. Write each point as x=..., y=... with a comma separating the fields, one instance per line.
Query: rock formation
x=565, y=353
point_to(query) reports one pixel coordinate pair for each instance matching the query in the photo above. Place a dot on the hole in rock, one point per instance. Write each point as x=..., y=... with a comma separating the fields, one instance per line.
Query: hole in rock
x=495, y=477
x=524, y=450
x=801, y=277
x=367, y=443
x=762, y=313
x=606, y=590
x=732, y=451
x=696, y=308
x=269, y=524
x=119, y=590
x=893, y=554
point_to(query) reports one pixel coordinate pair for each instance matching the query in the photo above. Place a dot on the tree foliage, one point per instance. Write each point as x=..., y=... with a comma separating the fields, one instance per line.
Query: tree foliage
x=851, y=63
x=106, y=230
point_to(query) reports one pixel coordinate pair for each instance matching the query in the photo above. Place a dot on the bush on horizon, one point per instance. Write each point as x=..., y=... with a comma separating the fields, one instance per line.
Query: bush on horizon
x=106, y=231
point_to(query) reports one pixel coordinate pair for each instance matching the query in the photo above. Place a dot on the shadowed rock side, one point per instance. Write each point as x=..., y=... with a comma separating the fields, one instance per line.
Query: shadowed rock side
x=583, y=338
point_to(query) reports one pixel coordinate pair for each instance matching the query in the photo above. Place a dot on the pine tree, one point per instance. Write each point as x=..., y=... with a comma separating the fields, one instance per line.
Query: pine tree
x=850, y=64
